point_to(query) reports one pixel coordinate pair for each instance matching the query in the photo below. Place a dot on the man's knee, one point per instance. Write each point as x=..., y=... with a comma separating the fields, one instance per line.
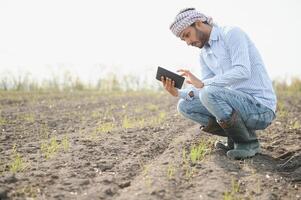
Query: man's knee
x=182, y=106
x=207, y=93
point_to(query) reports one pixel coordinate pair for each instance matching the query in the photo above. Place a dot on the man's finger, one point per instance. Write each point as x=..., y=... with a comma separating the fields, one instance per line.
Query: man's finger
x=183, y=70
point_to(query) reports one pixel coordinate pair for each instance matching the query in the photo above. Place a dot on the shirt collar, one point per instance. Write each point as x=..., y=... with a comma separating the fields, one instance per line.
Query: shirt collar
x=213, y=35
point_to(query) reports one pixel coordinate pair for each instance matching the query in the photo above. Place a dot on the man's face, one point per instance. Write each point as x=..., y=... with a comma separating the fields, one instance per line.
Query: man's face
x=195, y=35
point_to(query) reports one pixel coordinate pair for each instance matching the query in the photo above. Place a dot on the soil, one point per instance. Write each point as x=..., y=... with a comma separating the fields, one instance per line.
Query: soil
x=92, y=145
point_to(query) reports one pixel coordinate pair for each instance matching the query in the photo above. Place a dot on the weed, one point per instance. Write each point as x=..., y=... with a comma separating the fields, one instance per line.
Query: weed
x=29, y=191
x=281, y=109
x=96, y=114
x=126, y=123
x=159, y=119
x=197, y=153
x=65, y=143
x=105, y=127
x=29, y=118
x=186, y=166
x=152, y=107
x=296, y=125
x=44, y=131
x=49, y=150
x=17, y=164
x=2, y=121
x=145, y=176
x=234, y=193
x=170, y=171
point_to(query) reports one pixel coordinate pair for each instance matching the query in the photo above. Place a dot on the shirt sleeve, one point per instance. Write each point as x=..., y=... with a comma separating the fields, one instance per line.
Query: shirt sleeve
x=237, y=43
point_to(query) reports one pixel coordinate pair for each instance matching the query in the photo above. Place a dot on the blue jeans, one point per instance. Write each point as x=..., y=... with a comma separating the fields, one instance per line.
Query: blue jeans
x=219, y=102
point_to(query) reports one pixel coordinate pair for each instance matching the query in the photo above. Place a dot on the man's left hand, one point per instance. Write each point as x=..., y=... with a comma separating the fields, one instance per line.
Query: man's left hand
x=191, y=79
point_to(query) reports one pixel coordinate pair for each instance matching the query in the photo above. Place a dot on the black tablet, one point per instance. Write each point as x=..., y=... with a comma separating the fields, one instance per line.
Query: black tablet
x=179, y=80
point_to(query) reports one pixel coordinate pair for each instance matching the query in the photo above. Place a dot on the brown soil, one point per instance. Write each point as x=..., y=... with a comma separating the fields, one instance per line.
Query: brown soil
x=140, y=159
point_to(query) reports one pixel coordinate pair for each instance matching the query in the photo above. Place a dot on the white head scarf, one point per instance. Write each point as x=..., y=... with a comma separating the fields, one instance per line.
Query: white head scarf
x=185, y=18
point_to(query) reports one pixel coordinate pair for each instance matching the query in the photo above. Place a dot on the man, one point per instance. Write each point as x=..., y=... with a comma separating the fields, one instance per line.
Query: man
x=234, y=97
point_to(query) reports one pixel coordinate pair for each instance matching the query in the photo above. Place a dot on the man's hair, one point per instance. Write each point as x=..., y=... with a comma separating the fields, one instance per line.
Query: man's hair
x=193, y=24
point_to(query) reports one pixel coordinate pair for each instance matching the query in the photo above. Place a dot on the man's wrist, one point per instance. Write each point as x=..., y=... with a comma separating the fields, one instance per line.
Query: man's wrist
x=201, y=85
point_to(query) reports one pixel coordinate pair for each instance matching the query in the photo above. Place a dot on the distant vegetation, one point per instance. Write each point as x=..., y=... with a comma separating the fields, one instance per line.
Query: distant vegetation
x=69, y=82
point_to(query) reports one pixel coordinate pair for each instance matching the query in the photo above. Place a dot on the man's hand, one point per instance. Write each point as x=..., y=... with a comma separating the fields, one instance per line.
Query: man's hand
x=169, y=86
x=191, y=79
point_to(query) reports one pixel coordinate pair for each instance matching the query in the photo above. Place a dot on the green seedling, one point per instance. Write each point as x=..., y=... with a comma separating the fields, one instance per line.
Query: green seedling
x=296, y=125
x=29, y=118
x=127, y=123
x=198, y=153
x=234, y=193
x=96, y=114
x=30, y=192
x=49, y=150
x=152, y=107
x=44, y=131
x=159, y=119
x=2, y=121
x=186, y=166
x=145, y=176
x=65, y=143
x=281, y=109
x=17, y=164
x=170, y=171
x=105, y=127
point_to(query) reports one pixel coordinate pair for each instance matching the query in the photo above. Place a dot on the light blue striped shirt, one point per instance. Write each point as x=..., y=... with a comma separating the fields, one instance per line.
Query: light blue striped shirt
x=230, y=59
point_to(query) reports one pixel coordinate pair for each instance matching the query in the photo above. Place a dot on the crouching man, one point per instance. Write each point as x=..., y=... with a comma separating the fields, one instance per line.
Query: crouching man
x=234, y=96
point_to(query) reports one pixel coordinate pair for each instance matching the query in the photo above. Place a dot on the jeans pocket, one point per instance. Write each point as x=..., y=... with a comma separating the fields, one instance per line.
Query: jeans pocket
x=259, y=121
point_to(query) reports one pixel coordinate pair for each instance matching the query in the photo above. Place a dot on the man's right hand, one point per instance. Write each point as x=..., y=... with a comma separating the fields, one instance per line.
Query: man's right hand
x=169, y=86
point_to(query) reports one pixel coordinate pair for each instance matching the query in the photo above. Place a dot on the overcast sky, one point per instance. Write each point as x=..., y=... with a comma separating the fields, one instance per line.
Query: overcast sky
x=91, y=37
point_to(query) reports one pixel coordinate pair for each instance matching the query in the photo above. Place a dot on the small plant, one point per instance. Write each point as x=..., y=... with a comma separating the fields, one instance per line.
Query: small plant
x=65, y=143
x=105, y=128
x=2, y=121
x=29, y=118
x=141, y=123
x=197, y=153
x=152, y=107
x=234, y=193
x=44, y=131
x=29, y=191
x=186, y=166
x=49, y=150
x=146, y=177
x=126, y=123
x=296, y=125
x=170, y=171
x=281, y=109
x=160, y=118
x=96, y=114
x=17, y=163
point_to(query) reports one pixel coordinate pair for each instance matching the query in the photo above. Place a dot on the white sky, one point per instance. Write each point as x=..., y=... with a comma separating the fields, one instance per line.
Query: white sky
x=133, y=36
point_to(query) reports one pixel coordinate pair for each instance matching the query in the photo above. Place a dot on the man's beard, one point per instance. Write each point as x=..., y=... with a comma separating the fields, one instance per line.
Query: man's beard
x=202, y=38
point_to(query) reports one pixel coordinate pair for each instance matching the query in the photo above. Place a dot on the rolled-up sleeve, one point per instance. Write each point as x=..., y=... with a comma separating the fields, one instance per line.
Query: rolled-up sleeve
x=237, y=44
